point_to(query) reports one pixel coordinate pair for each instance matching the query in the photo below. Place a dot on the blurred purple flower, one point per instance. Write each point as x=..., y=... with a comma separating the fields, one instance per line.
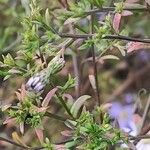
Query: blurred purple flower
x=128, y=98
x=144, y=56
x=124, y=115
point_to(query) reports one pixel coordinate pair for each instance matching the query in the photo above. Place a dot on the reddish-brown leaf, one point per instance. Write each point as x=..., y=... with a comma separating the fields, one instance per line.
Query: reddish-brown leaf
x=116, y=22
x=133, y=46
x=39, y=133
x=127, y=13
x=48, y=97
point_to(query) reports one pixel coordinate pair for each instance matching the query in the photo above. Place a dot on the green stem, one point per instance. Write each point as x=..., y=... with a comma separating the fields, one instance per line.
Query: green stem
x=64, y=105
x=59, y=97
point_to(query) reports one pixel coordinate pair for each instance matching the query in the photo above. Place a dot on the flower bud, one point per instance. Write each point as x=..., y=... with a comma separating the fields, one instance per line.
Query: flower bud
x=55, y=65
x=37, y=83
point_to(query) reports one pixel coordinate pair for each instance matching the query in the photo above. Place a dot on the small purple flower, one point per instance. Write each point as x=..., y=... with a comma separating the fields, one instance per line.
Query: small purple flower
x=124, y=115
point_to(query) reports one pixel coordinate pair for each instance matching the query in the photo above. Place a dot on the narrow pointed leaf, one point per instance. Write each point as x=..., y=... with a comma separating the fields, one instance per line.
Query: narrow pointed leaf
x=48, y=97
x=78, y=104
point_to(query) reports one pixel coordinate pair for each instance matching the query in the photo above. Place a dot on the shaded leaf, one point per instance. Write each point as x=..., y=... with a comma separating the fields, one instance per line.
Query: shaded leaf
x=70, y=124
x=39, y=133
x=22, y=128
x=48, y=97
x=67, y=133
x=71, y=20
x=5, y=107
x=17, y=139
x=78, y=104
x=132, y=5
x=70, y=99
x=9, y=120
x=92, y=81
x=127, y=13
x=132, y=46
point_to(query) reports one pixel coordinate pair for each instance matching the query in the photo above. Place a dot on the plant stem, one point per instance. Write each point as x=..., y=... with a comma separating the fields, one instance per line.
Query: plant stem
x=64, y=105
x=106, y=9
x=94, y=63
x=59, y=97
x=119, y=37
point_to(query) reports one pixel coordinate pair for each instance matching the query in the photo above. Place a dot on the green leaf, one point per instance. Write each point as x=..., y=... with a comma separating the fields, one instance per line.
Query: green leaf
x=109, y=57
x=78, y=103
x=71, y=144
x=71, y=20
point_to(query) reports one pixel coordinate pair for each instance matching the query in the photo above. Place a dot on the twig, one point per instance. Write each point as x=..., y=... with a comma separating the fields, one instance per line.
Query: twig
x=106, y=9
x=64, y=105
x=119, y=37
x=145, y=113
x=94, y=63
x=139, y=137
x=144, y=131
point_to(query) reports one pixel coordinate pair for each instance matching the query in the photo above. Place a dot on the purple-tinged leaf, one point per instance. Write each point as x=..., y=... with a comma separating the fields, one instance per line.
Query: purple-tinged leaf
x=70, y=99
x=9, y=120
x=78, y=104
x=116, y=22
x=67, y=133
x=126, y=13
x=39, y=133
x=17, y=139
x=42, y=109
x=49, y=97
x=60, y=147
x=133, y=46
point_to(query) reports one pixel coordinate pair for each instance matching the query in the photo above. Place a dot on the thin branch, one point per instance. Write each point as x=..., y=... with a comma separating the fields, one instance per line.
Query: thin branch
x=106, y=9
x=119, y=37
x=94, y=63
x=139, y=137
x=145, y=113
x=144, y=131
